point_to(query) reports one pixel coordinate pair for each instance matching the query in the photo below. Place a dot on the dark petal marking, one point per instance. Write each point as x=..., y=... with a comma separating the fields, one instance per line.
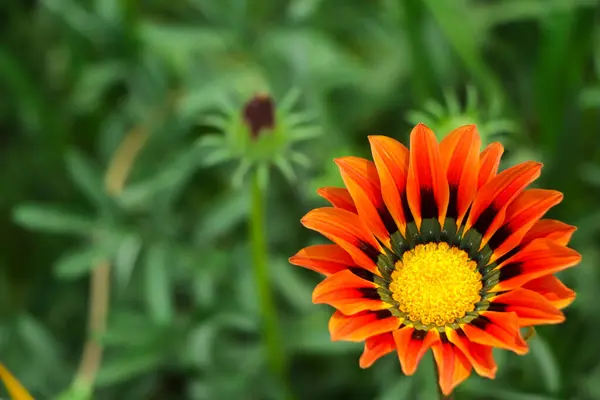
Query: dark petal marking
x=461, y=333
x=418, y=335
x=500, y=236
x=499, y=307
x=387, y=219
x=485, y=219
x=453, y=202
x=406, y=208
x=429, y=208
x=362, y=273
x=369, y=251
x=510, y=271
x=509, y=254
x=444, y=337
x=382, y=314
x=481, y=322
x=369, y=293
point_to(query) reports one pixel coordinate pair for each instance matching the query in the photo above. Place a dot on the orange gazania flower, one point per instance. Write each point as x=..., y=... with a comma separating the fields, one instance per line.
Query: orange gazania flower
x=436, y=249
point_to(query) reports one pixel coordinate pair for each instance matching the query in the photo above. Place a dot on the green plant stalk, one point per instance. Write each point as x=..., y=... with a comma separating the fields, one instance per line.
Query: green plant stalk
x=258, y=240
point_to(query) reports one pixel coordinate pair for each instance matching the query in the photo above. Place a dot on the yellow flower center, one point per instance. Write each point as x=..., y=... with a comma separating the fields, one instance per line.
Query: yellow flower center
x=436, y=284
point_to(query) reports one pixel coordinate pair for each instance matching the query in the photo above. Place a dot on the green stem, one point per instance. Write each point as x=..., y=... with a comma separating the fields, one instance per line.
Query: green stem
x=271, y=334
x=423, y=75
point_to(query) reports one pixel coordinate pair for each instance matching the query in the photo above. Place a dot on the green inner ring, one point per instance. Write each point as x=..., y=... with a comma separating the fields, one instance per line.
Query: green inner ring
x=431, y=232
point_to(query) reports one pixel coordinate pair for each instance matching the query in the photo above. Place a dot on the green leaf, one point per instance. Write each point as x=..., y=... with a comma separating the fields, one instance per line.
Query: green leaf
x=466, y=36
x=201, y=344
x=77, y=391
x=126, y=258
x=168, y=179
x=124, y=330
x=238, y=176
x=39, y=340
x=205, y=280
x=76, y=263
x=94, y=83
x=157, y=284
x=308, y=334
x=128, y=366
x=291, y=285
x=428, y=383
x=513, y=11
x=546, y=364
x=53, y=220
x=225, y=213
x=400, y=389
x=286, y=169
x=590, y=97
x=88, y=178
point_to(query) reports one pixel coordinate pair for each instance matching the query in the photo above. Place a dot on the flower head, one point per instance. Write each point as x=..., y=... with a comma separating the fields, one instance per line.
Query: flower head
x=434, y=249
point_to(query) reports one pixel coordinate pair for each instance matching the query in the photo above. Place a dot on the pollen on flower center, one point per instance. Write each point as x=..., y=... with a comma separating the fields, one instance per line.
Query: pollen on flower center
x=436, y=284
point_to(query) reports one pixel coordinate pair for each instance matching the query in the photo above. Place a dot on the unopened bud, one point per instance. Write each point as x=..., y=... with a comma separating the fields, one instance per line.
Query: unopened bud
x=259, y=114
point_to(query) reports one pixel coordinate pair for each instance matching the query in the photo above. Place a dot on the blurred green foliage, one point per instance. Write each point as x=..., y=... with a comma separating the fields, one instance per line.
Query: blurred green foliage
x=78, y=76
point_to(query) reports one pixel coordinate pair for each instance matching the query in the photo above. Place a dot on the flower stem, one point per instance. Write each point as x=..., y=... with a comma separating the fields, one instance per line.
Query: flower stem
x=115, y=177
x=271, y=334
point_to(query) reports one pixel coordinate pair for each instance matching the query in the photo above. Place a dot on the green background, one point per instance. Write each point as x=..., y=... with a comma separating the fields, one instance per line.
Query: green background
x=184, y=322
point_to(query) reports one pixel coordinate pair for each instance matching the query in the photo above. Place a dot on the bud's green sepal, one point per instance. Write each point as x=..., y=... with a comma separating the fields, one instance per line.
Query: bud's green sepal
x=258, y=135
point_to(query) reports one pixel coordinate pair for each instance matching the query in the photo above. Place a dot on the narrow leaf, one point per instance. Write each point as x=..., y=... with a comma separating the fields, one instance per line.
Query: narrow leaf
x=88, y=178
x=50, y=219
x=157, y=284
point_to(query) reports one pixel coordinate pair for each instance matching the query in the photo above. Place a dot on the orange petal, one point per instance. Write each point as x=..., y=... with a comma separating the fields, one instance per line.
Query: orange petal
x=361, y=179
x=557, y=231
x=532, y=308
x=479, y=356
x=459, y=153
x=489, y=206
x=553, y=290
x=325, y=259
x=348, y=293
x=427, y=186
x=497, y=329
x=453, y=366
x=359, y=327
x=489, y=161
x=348, y=231
x=538, y=258
x=375, y=348
x=412, y=345
x=391, y=159
x=338, y=197
x=550, y=229
x=526, y=209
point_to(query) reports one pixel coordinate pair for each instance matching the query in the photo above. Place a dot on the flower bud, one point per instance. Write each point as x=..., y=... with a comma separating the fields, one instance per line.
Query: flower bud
x=259, y=114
